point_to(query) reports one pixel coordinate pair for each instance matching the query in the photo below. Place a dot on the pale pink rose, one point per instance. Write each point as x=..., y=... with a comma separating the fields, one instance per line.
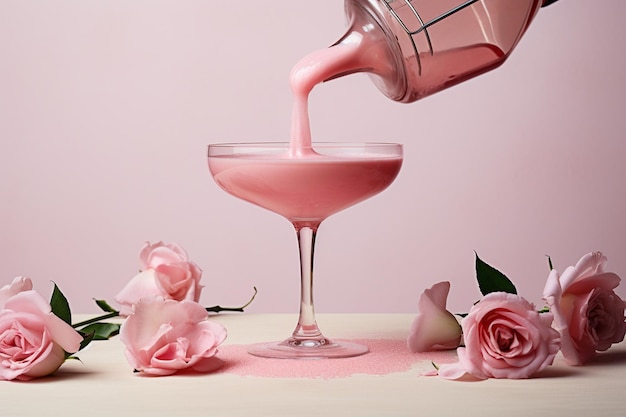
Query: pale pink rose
x=166, y=272
x=587, y=312
x=165, y=336
x=505, y=337
x=434, y=327
x=33, y=341
x=18, y=285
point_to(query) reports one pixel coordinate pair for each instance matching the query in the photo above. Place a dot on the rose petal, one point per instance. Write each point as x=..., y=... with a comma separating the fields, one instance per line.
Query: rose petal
x=590, y=264
x=160, y=253
x=552, y=288
x=28, y=302
x=434, y=327
x=18, y=285
x=606, y=280
x=54, y=358
x=142, y=285
x=457, y=371
x=176, y=281
x=63, y=334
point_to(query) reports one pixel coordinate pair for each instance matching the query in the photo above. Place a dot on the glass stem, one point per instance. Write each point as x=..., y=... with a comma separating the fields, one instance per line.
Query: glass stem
x=307, y=329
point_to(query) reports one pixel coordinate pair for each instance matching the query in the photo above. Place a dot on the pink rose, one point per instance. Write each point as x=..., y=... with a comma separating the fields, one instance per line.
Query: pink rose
x=166, y=272
x=164, y=336
x=33, y=341
x=587, y=312
x=434, y=327
x=505, y=337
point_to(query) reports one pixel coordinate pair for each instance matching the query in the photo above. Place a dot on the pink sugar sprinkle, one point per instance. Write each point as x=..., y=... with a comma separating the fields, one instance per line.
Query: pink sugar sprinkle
x=386, y=356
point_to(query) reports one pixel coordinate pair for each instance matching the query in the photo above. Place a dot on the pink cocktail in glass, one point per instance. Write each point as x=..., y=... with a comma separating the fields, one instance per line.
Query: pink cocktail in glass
x=305, y=189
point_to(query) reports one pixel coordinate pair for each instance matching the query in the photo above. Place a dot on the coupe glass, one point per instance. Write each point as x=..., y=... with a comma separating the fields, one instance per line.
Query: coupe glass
x=305, y=187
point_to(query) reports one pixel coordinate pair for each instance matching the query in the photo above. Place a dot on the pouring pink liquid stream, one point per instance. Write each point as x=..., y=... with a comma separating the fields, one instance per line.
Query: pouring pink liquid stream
x=302, y=184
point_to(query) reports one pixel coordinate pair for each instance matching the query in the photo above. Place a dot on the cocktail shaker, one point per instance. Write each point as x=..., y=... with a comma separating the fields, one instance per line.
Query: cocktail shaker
x=414, y=48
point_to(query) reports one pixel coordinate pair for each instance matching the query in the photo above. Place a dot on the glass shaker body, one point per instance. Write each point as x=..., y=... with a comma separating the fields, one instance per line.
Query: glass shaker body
x=430, y=45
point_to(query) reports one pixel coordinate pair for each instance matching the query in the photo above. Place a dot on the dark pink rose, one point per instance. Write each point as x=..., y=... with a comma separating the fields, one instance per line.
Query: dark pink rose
x=505, y=337
x=434, y=327
x=33, y=341
x=165, y=336
x=166, y=272
x=588, y=314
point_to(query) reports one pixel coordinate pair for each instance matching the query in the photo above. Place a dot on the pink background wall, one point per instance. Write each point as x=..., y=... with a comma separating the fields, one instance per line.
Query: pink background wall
x=106, y=108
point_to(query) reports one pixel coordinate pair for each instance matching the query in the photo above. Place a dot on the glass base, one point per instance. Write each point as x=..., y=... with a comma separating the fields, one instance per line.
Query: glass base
x=307, y=349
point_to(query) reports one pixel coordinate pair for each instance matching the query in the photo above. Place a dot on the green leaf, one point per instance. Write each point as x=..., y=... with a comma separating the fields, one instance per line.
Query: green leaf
x=59, y=305
x=491, y=280
x=101, y=331
x=104, y=306
x=87, y=338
